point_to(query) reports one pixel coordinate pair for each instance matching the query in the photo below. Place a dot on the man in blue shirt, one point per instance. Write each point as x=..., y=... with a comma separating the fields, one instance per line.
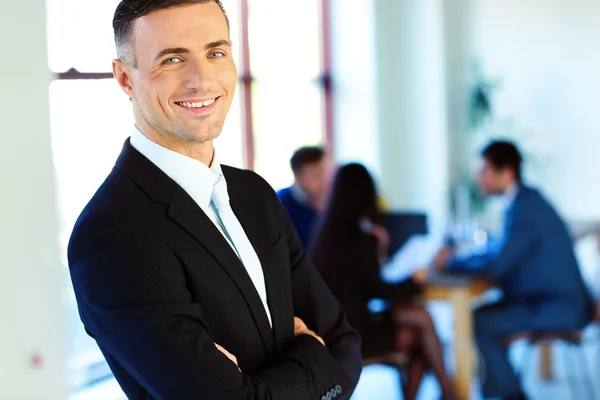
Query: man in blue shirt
x=533, y=262
x=306, y=196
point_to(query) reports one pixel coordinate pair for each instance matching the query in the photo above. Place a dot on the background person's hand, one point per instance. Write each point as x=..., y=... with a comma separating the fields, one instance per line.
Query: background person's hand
x=300, y=328
x=229, y=355
x=420, y=276
x=382, y=236
x=441, y=259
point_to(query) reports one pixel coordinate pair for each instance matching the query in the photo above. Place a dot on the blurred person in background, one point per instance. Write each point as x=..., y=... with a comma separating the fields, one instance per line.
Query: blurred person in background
x=304, y=200
x=533, y=262
x=346, y=250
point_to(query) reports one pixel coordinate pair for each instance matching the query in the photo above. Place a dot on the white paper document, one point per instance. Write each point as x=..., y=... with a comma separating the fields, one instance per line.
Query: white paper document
x=417, y=253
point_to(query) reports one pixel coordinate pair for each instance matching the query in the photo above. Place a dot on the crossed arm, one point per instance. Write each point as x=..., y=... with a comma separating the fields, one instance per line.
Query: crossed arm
x=132, y=296
x=300, y=328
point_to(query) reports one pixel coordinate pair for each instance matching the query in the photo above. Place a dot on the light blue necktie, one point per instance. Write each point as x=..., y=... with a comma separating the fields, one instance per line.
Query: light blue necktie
x=234, y=232
x=223, y=228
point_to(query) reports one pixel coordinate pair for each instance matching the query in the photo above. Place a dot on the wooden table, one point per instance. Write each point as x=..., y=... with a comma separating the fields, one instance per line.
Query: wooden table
x=460, y=291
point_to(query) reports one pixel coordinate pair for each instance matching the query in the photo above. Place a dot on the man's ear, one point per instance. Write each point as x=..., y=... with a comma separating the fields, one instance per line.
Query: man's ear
x=122, y=74
x=509, y=172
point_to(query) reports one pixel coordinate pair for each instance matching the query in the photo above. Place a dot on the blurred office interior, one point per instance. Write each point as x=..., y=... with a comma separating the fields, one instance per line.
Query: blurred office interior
x=409, y=88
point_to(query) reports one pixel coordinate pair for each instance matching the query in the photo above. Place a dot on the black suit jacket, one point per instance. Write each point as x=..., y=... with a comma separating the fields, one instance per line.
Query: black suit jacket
x=157, y=285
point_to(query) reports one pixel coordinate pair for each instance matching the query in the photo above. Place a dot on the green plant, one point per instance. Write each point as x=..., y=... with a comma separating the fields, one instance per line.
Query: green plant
x=479, y=106
x=480, y=115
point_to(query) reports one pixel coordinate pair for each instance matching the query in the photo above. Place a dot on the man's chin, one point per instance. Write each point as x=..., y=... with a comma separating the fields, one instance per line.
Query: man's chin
x=198, y=134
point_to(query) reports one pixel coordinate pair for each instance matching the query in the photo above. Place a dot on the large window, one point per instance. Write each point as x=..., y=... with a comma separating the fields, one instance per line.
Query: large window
x=287, y=96
x=281, y=103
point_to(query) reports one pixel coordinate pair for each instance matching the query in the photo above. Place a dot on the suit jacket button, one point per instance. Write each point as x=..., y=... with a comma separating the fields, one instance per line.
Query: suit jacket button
x=333, y=393
x=324, y=398
x=328, y=396
x=338, y=389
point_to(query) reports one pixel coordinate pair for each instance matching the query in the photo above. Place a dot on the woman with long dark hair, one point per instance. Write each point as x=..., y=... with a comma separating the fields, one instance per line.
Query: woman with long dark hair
x=345, y=250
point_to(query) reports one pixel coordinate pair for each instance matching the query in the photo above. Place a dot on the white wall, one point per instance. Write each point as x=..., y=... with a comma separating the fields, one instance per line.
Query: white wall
x=402, y=70
x=353, y=63
x=388, y=62
x=458, y=42
x=32, y=294
x=546, y=54
x=412, y=105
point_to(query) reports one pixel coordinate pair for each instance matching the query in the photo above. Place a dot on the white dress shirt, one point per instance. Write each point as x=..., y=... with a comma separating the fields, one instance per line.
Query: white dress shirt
x=208, y=188
x=509, y=196
x=507, y=200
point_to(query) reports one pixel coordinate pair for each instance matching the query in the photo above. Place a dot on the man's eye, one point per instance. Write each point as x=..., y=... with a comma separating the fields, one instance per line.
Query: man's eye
x=172, y=60
x=216, y=54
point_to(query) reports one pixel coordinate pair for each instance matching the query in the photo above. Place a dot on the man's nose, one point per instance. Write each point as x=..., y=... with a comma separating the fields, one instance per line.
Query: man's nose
x=197, y=76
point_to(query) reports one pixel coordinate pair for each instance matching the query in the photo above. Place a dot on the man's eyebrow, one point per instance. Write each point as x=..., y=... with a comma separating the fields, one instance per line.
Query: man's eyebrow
x=217, y=43
x=183, y=50
x=171, y=50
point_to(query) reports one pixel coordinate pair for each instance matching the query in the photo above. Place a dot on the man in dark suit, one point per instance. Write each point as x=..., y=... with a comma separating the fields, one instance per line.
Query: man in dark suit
x=533, y=263
x=188, y=273
x=304, y=199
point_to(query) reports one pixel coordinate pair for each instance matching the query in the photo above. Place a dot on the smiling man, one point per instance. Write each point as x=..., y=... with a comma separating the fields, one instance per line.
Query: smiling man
x=188, y=273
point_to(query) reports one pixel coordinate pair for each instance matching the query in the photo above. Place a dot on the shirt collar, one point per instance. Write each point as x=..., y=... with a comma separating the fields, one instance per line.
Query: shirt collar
x=193, y=176
x=299, y=194
x=509, y=195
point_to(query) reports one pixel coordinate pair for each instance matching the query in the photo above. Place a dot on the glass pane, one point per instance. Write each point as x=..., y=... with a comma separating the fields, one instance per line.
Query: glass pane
x=232, y=8
x=85, y=144
x=286, y=115
x=230, y=143
x=285, y=38
x=80, y=34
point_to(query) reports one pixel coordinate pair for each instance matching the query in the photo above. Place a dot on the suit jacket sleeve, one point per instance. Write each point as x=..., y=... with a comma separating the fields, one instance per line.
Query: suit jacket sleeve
x=519, y=240
x=340, y=362
x=132, y=297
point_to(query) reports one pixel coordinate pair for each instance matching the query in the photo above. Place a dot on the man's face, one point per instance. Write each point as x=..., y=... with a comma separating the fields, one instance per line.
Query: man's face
x=313, y=179
x=185, y=77
x=492, y=180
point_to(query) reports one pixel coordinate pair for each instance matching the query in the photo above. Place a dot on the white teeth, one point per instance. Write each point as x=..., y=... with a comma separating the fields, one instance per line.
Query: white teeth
x=197, y=104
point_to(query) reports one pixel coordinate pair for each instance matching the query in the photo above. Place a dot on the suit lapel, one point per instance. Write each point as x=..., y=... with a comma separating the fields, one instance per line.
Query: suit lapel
x=254, y=227
x=186, y=213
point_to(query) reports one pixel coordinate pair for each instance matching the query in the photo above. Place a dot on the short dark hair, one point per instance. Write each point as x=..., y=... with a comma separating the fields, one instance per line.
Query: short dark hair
x=129, y=10
x=504, y=154
x=306, y=155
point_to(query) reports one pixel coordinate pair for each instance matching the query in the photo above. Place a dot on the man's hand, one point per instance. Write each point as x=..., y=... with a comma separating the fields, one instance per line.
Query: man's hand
x=300, y=328
x=441, y=259
x=229, y=355
x=420, y=276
